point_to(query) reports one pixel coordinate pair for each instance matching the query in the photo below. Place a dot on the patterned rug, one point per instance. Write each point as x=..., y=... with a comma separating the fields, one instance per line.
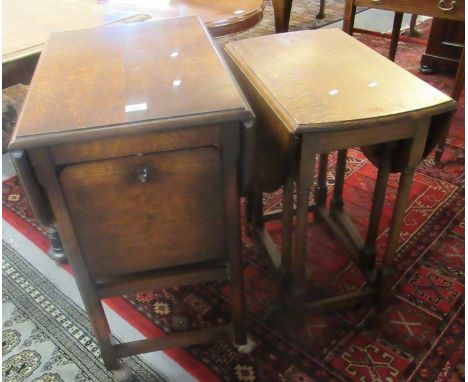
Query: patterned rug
x=46, y=337
x=418, y=337
x=302, y=17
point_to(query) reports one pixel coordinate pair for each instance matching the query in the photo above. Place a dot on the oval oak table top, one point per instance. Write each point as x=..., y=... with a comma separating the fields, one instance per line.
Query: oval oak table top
x=28, y=23
x=327, y=80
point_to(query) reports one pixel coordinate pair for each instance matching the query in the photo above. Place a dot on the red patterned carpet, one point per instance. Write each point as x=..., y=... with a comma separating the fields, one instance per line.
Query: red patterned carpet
x=418, y=337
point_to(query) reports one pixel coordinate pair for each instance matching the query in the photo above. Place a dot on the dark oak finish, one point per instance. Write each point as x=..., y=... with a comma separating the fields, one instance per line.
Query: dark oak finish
x=444, y=46
x=445, y=52
x=139, y=158
x=384, y=109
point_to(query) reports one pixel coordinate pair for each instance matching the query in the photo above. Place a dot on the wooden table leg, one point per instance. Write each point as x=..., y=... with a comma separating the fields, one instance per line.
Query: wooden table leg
x=337, y=200
x=349, y=15
x=413, y=31
x=56, y=251
x=321, y=13
x=287, y=218
x=255, y=210
x=395, y=35
x=415, y=156
x=233, y=234
x=321, y=186
x=367, y=257
x=304, y=181
x=282, y=11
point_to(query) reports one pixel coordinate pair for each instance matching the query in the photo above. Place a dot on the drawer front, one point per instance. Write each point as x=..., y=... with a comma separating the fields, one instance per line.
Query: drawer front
x=446, y=9
x=146, y=212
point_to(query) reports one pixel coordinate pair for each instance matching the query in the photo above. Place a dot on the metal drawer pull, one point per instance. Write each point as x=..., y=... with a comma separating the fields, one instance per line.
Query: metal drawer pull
x=452, y=6
x=143, y=174
x=376, y=1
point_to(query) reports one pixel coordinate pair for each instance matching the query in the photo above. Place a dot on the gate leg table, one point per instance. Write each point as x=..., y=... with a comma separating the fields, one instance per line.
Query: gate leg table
x=328, y=92
x=135, y=134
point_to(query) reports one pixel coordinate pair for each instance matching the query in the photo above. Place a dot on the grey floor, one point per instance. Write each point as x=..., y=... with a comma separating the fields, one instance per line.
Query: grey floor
x=376, y=20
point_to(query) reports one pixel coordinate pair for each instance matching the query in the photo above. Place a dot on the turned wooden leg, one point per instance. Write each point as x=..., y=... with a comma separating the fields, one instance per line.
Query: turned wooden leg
x=236, y=289
x=337, y=200
x=321, y=13
x=413, y=31
x=56, y=251
x=321, y=186
x=416, y=150
x=439, y=151
x=349, y=16
x=282, y=11
x=395, y=35
x=305, y=179
x=368, y=254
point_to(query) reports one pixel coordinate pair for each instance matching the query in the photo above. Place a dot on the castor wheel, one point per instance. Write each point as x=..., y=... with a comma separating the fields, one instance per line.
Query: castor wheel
x=124, y=374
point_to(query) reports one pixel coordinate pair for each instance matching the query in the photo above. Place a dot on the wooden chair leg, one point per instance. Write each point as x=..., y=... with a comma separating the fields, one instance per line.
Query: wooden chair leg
x=413, y=31
x=321, y=13
x=349, y=15
x=282, y=11
x=367, y=257
x=340, y=172
x=416, y=151
x=395, y=35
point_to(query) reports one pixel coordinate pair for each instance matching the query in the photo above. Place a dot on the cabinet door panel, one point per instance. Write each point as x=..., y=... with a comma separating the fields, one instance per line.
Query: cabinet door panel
x=145, y=212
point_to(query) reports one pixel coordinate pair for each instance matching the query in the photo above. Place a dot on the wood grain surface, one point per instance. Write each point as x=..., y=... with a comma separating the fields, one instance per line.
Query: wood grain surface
x=154, y=71
x=218, y=16
x=115, y=215
x=28, y=24
x=325, y=79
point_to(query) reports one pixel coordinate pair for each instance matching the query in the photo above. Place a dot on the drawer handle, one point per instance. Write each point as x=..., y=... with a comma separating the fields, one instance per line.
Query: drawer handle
x=143, y=174
x=452, y=6
x=376, y=1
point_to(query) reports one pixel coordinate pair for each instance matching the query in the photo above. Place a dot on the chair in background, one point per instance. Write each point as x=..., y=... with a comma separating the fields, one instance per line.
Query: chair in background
x=282, y=10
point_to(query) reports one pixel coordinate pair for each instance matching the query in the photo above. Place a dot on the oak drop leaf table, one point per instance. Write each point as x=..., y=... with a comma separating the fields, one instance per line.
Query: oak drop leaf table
x=314, y=92
x=131, y=137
